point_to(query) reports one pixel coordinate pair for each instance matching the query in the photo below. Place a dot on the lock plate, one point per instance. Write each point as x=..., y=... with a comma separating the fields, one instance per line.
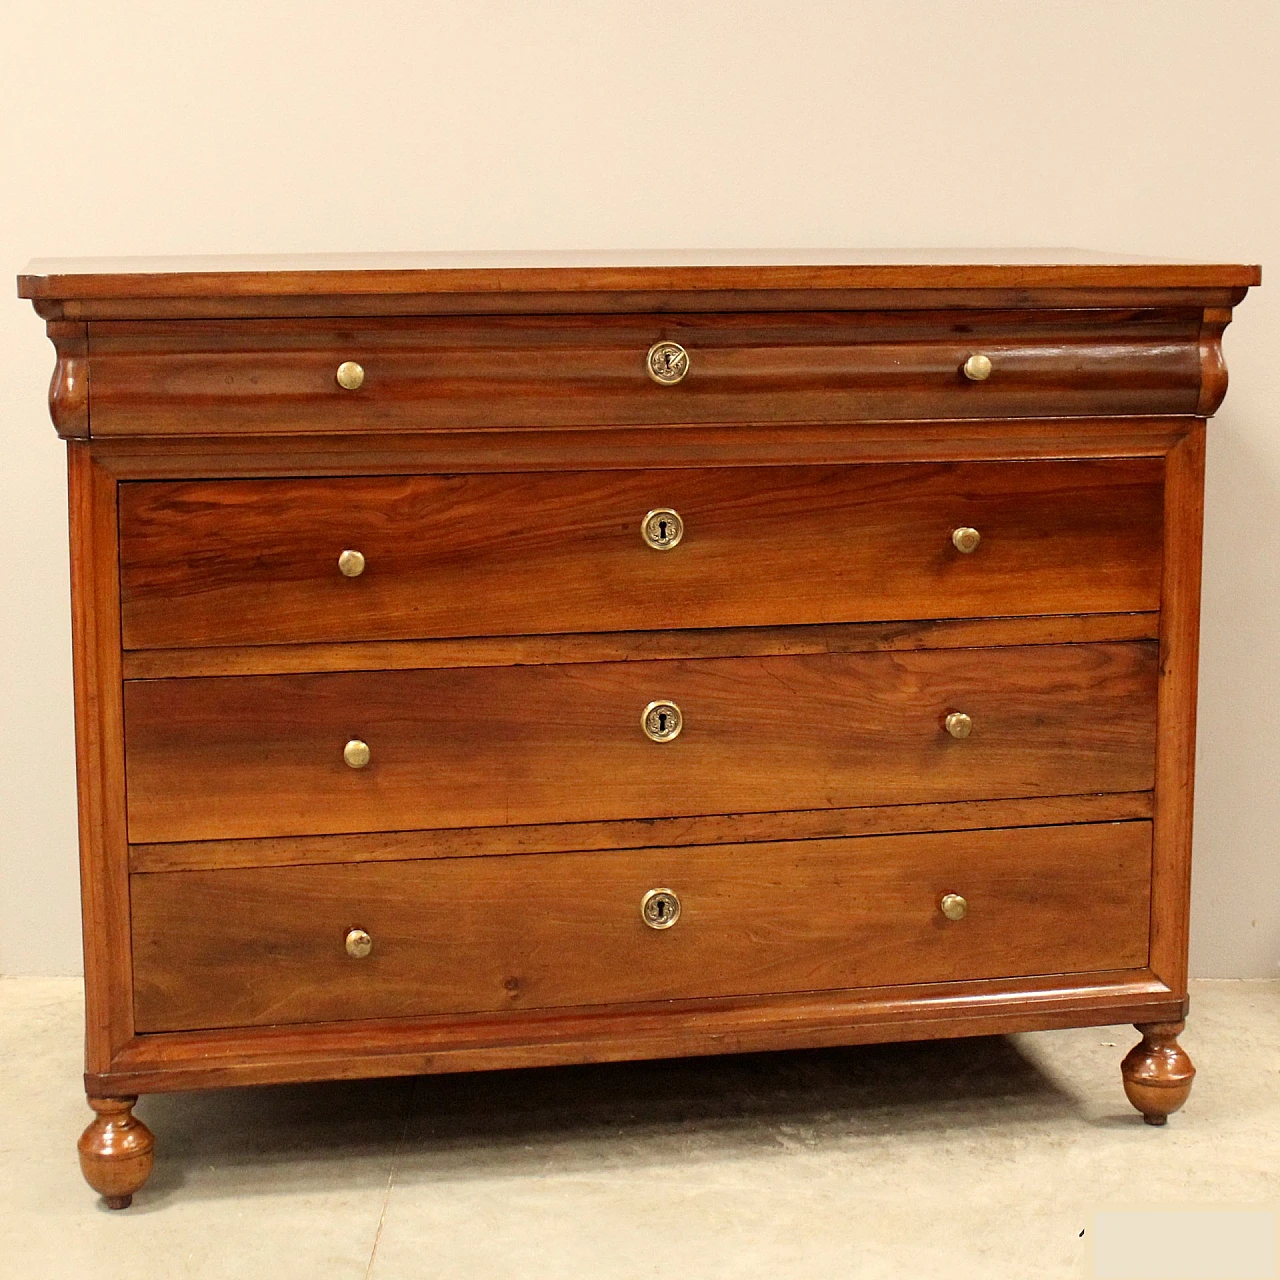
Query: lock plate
x=662, y=528
x=660, y=908
x=662, y=720
x=667, y=363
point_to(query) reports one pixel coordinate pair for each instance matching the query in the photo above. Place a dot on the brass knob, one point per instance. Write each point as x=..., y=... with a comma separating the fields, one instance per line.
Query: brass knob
x=351, y=564
x=662, y=528
x=356, y=753
x=350, y=375
x=958, y=724
x=660, y=908
x=667, y=363
x=977, y=368
x=359, y=944
x=966, y=539
x=954, y=907
x=662, y=720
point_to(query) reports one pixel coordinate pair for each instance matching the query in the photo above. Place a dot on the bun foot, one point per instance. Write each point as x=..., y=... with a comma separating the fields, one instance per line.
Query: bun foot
x=1157, y=1073
x=116, y=1151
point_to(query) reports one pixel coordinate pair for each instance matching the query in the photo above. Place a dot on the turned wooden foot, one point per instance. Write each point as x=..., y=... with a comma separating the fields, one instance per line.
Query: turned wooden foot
x=1157, y=1073
x=116, y=1151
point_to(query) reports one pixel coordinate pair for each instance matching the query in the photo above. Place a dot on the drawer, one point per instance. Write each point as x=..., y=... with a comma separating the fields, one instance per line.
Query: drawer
x=211, y=376
x=240, y=756
x=257, y=561
x=269, y=945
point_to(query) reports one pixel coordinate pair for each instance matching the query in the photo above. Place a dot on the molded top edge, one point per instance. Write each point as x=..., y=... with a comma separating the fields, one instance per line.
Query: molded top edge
x=615, y=271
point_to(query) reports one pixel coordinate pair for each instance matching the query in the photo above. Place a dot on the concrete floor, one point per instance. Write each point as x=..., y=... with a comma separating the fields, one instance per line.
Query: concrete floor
x=964, y=1158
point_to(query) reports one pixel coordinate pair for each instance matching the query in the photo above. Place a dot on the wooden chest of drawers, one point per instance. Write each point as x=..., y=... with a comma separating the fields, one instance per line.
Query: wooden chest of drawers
x=501, y=661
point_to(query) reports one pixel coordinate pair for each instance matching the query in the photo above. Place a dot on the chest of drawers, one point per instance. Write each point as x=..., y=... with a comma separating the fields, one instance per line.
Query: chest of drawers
x=489, y=661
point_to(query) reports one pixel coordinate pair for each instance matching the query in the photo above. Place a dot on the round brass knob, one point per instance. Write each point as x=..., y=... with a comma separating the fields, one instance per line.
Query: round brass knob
x=966, y=539
x=351, y=564
x=662, y=528
x=660, y=908
x=662, y=720
x=350, y=375
x=954, y=907
x=977, y=368
x=667, y=363
x=958, y=724
x=356, y=753
x=359, y=944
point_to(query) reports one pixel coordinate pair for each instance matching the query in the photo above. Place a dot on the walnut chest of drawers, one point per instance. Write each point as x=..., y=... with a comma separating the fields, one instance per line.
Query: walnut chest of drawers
x=490, y=661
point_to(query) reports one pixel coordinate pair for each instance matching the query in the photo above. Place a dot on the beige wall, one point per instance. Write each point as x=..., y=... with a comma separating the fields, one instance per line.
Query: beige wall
x=174, y=127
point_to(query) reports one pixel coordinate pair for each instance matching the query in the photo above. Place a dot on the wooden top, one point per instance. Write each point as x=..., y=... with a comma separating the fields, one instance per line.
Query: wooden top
x=691, y=270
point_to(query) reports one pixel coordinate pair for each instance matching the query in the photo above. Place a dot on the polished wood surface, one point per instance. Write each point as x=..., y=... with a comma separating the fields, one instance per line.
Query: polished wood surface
x=1157, y=1072
x=615, y=271
x=116, y=1151
x=262, y=755
x=636, y=646
x=1176, y=741
x=257, y=561
x=567, y=837
x=100, y=767
x=217, y=1058
x=631, y=448
x=488, y=372
x=238, y=948
x=816, y=625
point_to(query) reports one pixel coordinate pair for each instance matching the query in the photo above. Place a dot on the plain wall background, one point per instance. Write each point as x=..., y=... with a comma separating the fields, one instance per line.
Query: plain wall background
x=167, y=127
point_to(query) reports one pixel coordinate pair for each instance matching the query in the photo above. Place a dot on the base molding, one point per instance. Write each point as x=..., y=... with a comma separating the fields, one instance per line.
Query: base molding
x=166, y=1062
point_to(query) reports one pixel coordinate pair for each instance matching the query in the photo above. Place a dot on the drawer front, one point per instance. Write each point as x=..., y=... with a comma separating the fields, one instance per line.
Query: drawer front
x=210, y=376
x=257, y=561
x=226, y=948
x=211, y=758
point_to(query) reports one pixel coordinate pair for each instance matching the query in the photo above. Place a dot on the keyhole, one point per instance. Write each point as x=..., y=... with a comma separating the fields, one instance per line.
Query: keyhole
x=662, y=531
x=661, y=911
x=662, y=722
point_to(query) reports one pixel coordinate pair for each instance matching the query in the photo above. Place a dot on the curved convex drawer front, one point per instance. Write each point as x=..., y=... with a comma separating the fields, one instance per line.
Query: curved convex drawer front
x=209, y=758
x=204, y=377
x=301, y=944
x=370, y=558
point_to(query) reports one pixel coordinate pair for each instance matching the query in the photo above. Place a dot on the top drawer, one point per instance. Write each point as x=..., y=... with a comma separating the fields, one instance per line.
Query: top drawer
x=424, y=373
x=408, y=557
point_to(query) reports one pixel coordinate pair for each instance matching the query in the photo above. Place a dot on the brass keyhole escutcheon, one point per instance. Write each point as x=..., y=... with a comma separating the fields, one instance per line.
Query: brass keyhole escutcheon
x=662, y=720
x=667, y=363
x=660, y=908
x=662, y=528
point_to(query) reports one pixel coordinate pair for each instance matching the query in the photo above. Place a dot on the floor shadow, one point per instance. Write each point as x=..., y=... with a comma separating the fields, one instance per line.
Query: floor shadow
x=569, y=1118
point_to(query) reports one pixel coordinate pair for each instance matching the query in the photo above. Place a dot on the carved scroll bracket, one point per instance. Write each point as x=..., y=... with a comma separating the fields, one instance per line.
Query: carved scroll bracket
x=69, y=386
x=1213, y=368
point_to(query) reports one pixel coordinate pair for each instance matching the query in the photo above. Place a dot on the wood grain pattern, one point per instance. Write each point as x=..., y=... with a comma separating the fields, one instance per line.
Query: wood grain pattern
x=568, y=837
x=499, y=681
x=203, y=377
x=533, y=272
x=230, y=948
x=255, y=562
x=69, y=385
x=1176, y=743
x=636, y=646
x=352, y=1050
x=100, y=771
x=629, y=448
x=262, y=755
